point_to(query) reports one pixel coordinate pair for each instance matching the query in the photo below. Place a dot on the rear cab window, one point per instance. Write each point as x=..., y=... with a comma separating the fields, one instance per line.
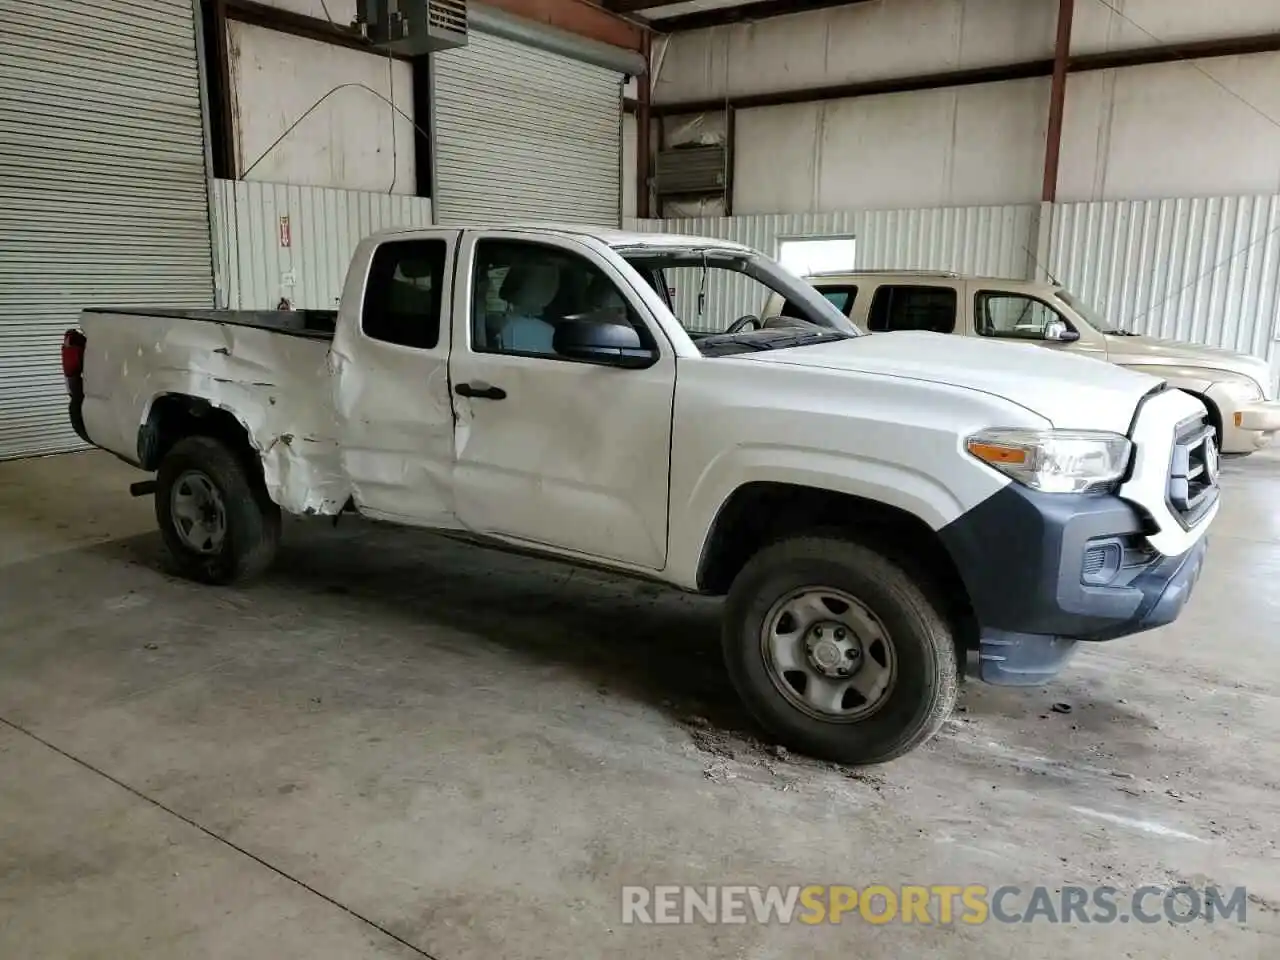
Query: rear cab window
x=402, y=296
x=913, y=307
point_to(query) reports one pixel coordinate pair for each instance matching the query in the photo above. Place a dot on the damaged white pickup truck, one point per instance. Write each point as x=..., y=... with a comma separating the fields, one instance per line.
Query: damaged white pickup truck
x=874, y=507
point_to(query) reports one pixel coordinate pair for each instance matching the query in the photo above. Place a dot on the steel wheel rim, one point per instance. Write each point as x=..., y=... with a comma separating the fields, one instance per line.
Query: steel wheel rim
x=828, y=654
x=198, y=513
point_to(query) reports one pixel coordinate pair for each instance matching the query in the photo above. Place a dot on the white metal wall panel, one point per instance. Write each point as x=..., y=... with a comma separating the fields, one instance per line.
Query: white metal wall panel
x=523, y=134
x=103, y=198
x=994, y=241
x=1202, y=270
x=259, y=262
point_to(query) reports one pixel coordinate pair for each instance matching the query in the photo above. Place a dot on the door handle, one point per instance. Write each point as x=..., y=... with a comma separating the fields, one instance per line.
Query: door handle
x=480, y=391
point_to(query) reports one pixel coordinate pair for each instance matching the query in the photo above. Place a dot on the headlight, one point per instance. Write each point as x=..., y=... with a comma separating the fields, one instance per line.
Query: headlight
x=1055, y=461
x=1242, y=389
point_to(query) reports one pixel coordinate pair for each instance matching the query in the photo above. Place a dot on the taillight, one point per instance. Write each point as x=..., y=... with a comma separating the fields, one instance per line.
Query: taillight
x=73, y=342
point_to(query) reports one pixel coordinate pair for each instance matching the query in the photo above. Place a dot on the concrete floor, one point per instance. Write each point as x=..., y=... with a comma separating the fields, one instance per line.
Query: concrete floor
x=399, y=747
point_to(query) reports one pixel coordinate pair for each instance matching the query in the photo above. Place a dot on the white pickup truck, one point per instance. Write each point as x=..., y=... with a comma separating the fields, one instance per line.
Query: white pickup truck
x=873, y=507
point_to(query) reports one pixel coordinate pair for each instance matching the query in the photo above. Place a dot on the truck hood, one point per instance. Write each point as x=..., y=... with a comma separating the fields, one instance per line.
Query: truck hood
x=1154, y=352
x=1069, y=391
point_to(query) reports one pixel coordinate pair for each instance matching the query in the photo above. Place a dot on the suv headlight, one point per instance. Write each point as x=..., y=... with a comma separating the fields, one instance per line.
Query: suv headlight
x=1242, y=388
x=1055, y=461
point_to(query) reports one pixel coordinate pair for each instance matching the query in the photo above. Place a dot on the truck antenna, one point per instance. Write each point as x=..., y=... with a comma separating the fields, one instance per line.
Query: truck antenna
x=1047, y=272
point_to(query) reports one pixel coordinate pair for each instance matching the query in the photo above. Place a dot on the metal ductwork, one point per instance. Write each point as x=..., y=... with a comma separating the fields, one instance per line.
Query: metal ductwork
x=498, y=23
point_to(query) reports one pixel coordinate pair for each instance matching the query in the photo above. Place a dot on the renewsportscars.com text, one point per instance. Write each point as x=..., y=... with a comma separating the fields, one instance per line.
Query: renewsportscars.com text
x=941, y=904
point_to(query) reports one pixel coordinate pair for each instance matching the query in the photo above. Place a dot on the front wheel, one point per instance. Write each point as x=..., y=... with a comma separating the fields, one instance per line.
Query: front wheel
x=216, y=519
x=838, y=652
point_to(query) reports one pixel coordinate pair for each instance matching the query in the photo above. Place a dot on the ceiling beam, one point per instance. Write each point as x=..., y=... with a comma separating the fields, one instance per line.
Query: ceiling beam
x=634, y=6
x=299, y=25
x=1028, y=69
x=572, y=16
x=865, y=88
x=579, y=17
x=1173, y=52
x=740, y=13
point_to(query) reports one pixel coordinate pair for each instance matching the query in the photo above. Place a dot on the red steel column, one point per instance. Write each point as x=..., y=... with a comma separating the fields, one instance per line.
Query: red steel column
x=1057, y=100
x=644, y=86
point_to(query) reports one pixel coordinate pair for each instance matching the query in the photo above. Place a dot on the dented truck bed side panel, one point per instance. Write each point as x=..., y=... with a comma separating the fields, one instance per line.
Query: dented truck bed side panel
x=276, y=385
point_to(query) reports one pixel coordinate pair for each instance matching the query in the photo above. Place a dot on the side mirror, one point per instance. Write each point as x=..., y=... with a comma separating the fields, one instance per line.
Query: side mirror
x=608, y=344
x=1059, y=332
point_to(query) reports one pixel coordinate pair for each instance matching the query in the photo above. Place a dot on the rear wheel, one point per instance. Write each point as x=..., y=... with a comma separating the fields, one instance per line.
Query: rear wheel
x=838, y=652
x=216, y=519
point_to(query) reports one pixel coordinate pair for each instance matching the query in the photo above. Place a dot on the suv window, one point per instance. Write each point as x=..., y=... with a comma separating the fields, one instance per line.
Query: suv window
x=402, y=296
x=1012, y=315
x=909, y=307
x=522, y=291
x=841, y=298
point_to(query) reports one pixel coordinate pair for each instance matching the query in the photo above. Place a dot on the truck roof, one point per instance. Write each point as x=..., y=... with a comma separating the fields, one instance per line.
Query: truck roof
x=850, y=276
x=610, y=235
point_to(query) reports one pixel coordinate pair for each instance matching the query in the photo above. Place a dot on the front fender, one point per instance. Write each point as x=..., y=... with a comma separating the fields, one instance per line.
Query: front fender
x=921, y=495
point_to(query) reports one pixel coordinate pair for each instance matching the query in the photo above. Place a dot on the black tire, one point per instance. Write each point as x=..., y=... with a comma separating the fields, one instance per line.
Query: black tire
x=924, y=691
x=252, y=519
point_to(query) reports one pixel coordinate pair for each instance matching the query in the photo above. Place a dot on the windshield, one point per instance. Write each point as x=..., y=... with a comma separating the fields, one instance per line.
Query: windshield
x=718, y=295
x=1088, y=313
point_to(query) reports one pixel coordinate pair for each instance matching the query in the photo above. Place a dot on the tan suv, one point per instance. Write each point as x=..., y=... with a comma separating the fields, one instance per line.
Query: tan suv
x=1235, y=388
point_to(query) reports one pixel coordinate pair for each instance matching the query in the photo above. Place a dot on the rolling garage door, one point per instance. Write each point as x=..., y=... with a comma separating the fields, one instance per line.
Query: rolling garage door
x=525, y=134
x=103, y=198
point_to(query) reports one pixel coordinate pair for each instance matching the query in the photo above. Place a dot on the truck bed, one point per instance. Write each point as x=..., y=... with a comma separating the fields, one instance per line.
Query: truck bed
x=318, y=324
x=267, y=368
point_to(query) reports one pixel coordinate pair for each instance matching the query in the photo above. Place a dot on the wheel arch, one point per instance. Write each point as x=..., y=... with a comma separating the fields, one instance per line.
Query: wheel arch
x=759, y=513
x=172, y=416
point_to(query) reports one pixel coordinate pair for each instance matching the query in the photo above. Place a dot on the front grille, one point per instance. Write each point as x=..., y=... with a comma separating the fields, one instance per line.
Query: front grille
x=1193, y=472
x=1095, y=559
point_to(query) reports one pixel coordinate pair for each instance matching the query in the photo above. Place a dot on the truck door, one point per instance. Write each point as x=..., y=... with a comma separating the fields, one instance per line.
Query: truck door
x=390, y=370
x=553, y=451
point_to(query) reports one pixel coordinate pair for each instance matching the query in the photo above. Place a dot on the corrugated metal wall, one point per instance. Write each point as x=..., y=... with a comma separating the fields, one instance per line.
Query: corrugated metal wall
x=1204, y=270
x=995, y=241
x=258, y=264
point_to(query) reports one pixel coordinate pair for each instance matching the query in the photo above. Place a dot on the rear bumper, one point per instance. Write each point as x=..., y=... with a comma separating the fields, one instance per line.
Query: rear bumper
x=1030, y=563
x=75, y=407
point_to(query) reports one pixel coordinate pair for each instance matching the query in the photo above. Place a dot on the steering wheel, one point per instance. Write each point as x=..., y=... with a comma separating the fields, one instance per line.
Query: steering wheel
x=786, y=323
x=743, y=322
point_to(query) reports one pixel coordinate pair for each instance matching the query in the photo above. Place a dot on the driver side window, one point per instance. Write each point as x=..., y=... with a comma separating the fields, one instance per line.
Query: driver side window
x=1012, y=316
x=523, y=291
